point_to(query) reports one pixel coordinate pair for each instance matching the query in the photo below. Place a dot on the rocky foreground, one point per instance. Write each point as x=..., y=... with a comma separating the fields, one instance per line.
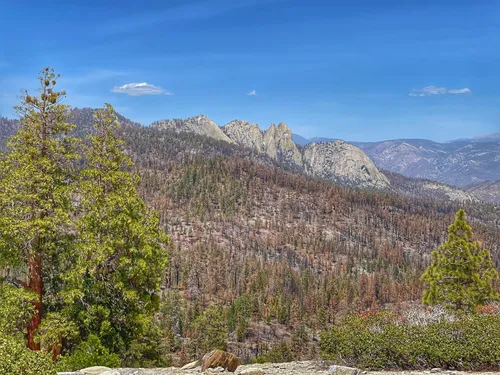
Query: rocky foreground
x=291, y=368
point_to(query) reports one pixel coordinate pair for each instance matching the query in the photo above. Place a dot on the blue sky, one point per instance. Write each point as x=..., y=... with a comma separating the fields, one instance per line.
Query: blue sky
x=357, y=70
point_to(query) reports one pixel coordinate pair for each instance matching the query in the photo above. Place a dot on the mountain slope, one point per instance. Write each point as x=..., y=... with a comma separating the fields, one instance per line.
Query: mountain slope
x=458, y=163
x=200, y=124
x=290, y=249
x=333, y=160
x=488, y=191
x=295, y=249
x=428, y=189
x=278, y=151
x=8, y=127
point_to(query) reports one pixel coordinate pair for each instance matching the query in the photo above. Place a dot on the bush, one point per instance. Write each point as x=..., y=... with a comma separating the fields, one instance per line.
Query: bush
x=281, y=352
x=380, y=342
x=89, y=353
x=16, y=359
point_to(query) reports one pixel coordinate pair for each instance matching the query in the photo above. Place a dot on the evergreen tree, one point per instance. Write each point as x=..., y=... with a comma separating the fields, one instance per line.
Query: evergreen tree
x=36, y=177
x=120, y=254
x=211, y=331
x=461, y=273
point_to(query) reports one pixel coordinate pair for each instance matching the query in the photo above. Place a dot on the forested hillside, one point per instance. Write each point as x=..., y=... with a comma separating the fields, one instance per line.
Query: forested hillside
x=263, y=258
x=281, y=248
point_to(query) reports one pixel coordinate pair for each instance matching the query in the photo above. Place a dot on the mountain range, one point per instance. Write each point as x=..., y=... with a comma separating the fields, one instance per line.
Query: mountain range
x=257, y=226
x=461, y=170
x=461, y=162
x=438, y=169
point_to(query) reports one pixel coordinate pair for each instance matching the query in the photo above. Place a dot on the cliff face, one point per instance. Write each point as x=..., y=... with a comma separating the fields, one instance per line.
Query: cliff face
x=245, y=134
x=278, y=144
x=334, y=161
x=343, y=162
x=200, y=124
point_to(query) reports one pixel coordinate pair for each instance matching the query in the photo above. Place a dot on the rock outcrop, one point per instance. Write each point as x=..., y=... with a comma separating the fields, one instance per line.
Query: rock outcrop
x=453, y=194
x=279, y=145
x=487, y=191
x=342, y=162
x=245, y=134
x=201, y=125
x=276, y=141
x=219, y=358
x=334, y=161
x=290, y=368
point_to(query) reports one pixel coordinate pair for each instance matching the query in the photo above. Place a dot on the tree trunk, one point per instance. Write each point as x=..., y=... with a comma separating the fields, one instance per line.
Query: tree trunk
x=35, y=284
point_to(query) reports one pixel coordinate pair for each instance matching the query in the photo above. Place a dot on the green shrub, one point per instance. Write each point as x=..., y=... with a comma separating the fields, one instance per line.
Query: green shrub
x=16, y=359
x=280, y=353
x=379, y=342
x=89, y=353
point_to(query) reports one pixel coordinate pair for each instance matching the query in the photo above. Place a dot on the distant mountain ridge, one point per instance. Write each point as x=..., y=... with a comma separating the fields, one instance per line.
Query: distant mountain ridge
x=460, y=162
x=487, y=191
x=335, y=161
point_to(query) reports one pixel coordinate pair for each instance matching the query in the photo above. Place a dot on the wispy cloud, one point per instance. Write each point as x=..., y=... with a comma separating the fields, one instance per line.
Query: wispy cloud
x=178, y=14
x=92, y=76
x=433, y=90
x=460, y=91
x=140, y=88
x=252, y=93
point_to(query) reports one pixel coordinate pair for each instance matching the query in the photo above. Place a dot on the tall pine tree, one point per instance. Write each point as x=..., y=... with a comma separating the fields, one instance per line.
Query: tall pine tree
x=120, y=254
x=36, y=176
x=461, y=273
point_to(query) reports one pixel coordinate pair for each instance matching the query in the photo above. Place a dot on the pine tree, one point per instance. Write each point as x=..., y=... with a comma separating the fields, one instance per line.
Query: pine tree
x=36, y=177
x=120, y=255
x=461, y=273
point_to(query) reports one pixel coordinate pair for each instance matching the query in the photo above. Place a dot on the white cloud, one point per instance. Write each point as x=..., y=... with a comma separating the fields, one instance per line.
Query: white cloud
x=138, y=89
x=460, y=91
x=252, y=93
x=433, y=90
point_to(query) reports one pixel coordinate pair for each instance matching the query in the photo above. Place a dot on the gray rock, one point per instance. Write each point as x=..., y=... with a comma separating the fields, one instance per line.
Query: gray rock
x=245, y=134
x=278, y=144
x=95, y=370
x=435, y=370
x=201, y=125
x=342, y=162
x=191, y=365
x=343, y=370
x=252, y=371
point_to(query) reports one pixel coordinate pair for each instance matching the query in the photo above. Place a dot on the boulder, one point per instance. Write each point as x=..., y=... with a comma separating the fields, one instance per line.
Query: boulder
x=95, y=370
x=220, y=358
x=343, y=370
